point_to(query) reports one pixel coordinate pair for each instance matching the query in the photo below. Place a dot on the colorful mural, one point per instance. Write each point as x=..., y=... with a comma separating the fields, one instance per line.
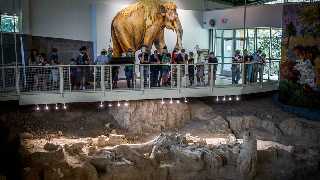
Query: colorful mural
x=300, y=64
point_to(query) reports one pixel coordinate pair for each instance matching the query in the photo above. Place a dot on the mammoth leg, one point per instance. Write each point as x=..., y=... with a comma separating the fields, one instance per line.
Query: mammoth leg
x=159, y=43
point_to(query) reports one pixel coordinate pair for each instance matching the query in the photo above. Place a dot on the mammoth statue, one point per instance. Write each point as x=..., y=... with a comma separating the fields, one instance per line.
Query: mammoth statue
x=143, y=23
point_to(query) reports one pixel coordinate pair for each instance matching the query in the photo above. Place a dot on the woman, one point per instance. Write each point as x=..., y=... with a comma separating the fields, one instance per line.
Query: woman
x=166, y=58
x=32, y=71
x=191, y=68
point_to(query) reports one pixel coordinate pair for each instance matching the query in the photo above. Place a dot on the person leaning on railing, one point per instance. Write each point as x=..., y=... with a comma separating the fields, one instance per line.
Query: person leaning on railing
x=154, y=68
x=256, y=60
x=212, y=60
x=83, y=60
x=33, y=77
x=235, y=68
x=248, y=70
x=128, y=69
x=144, y=59
x=165, y=69
x=191, y=68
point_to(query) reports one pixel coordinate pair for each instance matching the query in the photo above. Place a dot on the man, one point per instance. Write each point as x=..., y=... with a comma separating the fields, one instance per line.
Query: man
x=247, y=59
x=83, y=60
x=256, y=60
x=154, y=68
x=235, y=68
x=144, y=59
x=129, y=69
x=182, y=58
x=212, y=60
x=53, y=57
x=102, y=58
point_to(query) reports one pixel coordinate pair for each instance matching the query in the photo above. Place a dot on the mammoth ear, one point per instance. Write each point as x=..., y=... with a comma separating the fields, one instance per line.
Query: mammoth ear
x=162, y=10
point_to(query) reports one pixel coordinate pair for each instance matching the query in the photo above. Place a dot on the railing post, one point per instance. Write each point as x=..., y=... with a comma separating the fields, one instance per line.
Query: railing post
x=17, y=79
x=186, y=74
x=102, y=81
x=94, y=78
x=171, y=74
x=211, y=76
x=269, y=69
x=61, y=79
x=179, y=77
x=142, y=77
x=111, y=78
x=69, y=74
x=243, y=74
x=195, y=80
x=149, y=76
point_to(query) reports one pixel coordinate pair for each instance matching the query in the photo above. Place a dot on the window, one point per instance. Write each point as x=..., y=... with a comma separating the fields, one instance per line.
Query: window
x=9, y=23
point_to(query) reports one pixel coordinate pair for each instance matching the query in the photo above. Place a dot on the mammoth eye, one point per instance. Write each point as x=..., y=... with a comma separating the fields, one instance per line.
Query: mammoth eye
x=162, y=9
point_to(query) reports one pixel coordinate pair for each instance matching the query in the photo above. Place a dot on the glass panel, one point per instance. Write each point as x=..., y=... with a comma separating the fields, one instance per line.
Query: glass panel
x=263, y=40
x=239, y=33
x=239, y=45
x=228, y=50
x=219, y=33
x=276, y=43
x=218, y=47
x=227, y=67
x=9, y=23
x=250, y=33
x=250, y=45
x=228, y=33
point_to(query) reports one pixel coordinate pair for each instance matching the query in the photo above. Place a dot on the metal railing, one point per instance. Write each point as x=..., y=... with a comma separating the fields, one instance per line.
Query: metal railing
x=93, y=78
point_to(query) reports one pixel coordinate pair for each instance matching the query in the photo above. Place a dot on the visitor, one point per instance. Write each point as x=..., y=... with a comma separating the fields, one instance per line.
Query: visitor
x=165, y=69
x=200, y=73
x=182, y=58
x=235, y=68
x=260, y=67
x=102, y=59
x=129, y=69
x=144, y=60
x=33, y=76
x=191, y=68
x=163, y=54
x=54, y=62
x=43, y=72
x=83, y=60
x=256, y=60
x=53, y=57
x=154, y=68
x=74, y=74
x=174, y=56
x=213, y=63
x=247, y=59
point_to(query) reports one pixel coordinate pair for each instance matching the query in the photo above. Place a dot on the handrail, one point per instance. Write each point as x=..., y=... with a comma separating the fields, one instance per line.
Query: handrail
x=66, y=78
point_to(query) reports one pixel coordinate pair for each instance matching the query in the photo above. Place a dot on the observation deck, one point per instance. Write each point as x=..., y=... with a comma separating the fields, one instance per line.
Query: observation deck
x=60, y=84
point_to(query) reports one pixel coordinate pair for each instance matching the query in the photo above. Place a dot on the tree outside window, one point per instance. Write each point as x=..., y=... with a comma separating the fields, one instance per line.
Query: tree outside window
x=9, y=23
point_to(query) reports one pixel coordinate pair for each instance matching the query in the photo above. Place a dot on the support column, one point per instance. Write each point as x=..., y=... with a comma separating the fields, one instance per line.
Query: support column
x=61, y=79
x=102, y=81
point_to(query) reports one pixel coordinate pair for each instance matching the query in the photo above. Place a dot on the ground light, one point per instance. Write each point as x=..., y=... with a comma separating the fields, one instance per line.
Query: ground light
x=118, y=104
x=230, y=98
x=57, y=107
x=64, y=106
x=126, y=104
x=47, y=107
x=37, y=108
x=238, y=98
x=109, y=105
x=224, y=98
x=162, y=102
x=185, y=100
x=178, y=101
x=101, y=104
x=171, y=102
x=217, y=99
